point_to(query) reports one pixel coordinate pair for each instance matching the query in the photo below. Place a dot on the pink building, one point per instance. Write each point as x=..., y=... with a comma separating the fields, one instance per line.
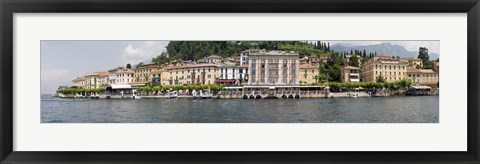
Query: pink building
x=273, y=68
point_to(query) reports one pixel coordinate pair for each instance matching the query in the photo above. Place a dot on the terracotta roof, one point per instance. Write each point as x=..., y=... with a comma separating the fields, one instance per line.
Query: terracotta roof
x=158, y=71
x=414, y=70
x=192, y=66
x=175, y=67
x=103, y=73
x=125, y=71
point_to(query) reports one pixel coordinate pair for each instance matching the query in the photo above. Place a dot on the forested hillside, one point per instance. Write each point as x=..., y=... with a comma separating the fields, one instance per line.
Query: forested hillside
x=194, y=50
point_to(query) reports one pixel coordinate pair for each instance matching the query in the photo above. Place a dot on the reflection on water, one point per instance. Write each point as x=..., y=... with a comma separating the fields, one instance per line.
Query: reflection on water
x=400, y=109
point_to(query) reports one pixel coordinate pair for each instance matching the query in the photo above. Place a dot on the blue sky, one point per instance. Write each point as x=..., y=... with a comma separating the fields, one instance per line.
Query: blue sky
x=63, y=61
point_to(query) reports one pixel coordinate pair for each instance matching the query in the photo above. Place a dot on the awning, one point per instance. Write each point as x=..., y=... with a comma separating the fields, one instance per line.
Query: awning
x=121, y=87
x=225, y=81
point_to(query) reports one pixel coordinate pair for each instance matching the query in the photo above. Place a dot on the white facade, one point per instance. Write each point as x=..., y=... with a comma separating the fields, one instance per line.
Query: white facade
x=120, y=76
x=96, y=80
x=233, y=72
x=244, y=57
x=124, y=77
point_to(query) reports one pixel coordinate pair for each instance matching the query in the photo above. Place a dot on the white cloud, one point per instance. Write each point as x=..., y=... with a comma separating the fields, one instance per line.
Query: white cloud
x=151, y=43
x=142, y=52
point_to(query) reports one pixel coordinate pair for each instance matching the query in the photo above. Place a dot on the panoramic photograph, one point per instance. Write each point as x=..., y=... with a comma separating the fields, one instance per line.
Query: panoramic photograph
x=327, y=81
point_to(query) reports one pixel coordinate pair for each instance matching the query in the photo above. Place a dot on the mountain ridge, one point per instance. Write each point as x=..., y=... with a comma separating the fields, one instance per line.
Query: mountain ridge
x=387, y=49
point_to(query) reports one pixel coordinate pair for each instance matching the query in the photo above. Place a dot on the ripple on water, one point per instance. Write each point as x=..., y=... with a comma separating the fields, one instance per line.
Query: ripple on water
x=342, y=110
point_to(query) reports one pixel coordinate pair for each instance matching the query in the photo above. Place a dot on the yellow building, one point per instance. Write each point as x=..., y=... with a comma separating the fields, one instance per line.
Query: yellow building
x=96, y=80
x=142, y=74
x=423, y=76
x=308, y=74
x=157, y=76
x=387, y=67
x=273, y=68
x=193, y=74
x=350, y=74
x=79, y=82
x=414, y=62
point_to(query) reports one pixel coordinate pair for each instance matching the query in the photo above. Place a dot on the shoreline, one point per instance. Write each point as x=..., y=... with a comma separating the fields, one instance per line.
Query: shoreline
x=239, y=96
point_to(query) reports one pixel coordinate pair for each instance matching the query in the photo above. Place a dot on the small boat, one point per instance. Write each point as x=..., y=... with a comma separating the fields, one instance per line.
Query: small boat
x=203, y=95
x=171, y=94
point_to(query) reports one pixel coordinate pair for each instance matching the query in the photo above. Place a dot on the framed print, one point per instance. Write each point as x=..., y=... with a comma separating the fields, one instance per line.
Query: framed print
x=233, y=81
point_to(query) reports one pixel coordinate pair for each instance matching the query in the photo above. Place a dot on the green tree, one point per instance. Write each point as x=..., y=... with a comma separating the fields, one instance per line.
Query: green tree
x=380, y=79
x=156, y=89
x=139, y=65
x=166, y=87
x=423, y=54
x=354, y=61
x=129, y=66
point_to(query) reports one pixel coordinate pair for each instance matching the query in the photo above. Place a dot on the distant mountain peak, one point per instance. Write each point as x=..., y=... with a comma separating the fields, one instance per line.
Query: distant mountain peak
x=387, y=49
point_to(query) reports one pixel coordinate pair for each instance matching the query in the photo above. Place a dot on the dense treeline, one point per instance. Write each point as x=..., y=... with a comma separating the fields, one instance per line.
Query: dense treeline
x=75, y=90
x=194, y=50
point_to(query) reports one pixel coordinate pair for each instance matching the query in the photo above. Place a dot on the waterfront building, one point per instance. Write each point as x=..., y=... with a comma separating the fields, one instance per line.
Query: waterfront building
x=350, y=74
x=308, y=74
x=79, y=82
x=142, y=74
x=193, y=74
x=414, y=62
x=120, y=76
x=423, y=76
x=96, y=80
x=273, y=68
x=231, y=74
x=389, y=68
x=158, y=76
x=211, y=59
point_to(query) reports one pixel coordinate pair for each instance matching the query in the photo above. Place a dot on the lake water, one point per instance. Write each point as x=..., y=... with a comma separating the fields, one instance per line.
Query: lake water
x=396, y=109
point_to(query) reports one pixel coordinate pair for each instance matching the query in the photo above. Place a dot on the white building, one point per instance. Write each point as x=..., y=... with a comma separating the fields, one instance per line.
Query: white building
x=233, y=74
x=244, y=57
x=245, y=53
x=120, y=76
x=96, y=80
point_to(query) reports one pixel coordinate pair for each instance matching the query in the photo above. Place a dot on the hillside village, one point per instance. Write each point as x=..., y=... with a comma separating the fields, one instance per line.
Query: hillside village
x=259, y=70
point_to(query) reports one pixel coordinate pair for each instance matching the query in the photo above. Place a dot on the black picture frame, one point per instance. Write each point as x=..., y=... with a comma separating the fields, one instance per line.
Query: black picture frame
x=9, y=7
